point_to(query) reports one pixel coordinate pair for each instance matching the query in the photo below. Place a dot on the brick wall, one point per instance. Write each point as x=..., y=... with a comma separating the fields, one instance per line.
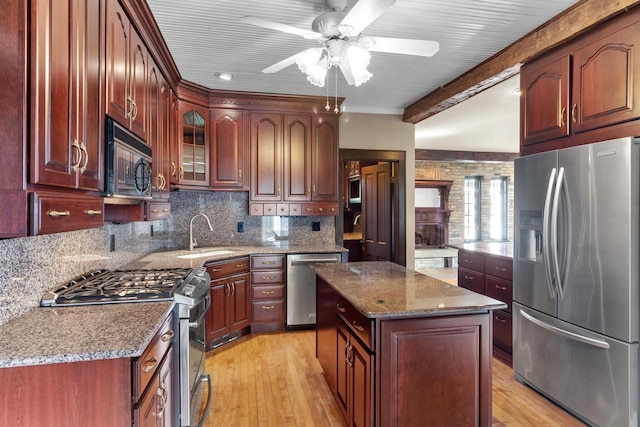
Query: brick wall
x=456, y=172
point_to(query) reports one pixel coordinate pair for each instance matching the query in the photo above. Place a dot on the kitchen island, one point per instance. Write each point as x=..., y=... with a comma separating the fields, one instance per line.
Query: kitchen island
x=401, y=348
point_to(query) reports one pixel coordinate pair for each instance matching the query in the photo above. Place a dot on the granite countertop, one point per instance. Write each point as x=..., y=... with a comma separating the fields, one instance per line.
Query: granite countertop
x=501, y=249
x=199, y=256
x=383, y=289
x=47, y=335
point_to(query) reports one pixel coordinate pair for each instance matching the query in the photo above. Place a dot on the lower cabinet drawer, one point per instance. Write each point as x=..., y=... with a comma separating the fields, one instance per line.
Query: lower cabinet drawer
x=471, y=280
x=502, y=330
x=267, y=292
x=268, y=311
x=145, y=366
x=499, y=289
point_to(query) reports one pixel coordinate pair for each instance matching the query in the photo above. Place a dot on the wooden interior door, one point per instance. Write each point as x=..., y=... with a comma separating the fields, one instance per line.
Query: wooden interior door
x=376, y=193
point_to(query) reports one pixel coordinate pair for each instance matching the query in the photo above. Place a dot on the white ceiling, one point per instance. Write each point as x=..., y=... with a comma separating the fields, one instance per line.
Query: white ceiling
x=489, y=121
x=205, y=37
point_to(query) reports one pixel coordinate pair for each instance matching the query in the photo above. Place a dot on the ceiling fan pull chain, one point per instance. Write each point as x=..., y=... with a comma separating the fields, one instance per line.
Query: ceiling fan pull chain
x=327, y=107
x=336, y=109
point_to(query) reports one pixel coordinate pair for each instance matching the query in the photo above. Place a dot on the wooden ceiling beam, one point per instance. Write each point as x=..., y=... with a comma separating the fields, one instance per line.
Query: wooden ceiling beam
x=506, y=63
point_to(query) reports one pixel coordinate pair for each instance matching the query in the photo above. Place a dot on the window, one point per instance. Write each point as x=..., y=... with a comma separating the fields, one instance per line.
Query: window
x=472, y=203
x=498, y=208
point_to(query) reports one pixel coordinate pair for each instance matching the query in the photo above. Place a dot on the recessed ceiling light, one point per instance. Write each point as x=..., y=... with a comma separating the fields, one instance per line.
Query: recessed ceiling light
x=224, y=76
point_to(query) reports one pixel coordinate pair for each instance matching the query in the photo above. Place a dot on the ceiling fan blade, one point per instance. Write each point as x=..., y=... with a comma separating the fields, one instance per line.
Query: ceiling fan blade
x=363, y=14
x=348, y=75
x=281, y=65
x=404, y=46
x=264, y=23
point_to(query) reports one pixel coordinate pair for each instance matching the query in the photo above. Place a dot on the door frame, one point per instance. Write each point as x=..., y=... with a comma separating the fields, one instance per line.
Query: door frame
x=399, y=197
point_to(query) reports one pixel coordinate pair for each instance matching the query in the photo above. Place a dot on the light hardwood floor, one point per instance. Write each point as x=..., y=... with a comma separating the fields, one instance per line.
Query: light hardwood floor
x=275, y=380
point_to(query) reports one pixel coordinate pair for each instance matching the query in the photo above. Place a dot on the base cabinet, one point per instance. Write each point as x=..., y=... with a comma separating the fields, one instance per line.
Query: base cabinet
x=268, y=284
x=230, y=297
x=98, y=393
x=492, y=276
x=425, y=371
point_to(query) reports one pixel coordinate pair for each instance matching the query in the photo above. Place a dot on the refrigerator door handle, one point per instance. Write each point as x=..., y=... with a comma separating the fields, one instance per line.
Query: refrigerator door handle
x=554, y=234
x=546, y=235
x=570, y=335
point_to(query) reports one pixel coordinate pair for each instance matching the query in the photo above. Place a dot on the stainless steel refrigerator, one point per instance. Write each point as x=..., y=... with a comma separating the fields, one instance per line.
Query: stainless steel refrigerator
x=575, y=284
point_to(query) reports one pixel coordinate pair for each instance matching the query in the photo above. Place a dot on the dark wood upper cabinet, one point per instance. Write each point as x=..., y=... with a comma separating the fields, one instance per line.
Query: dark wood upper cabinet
x=229, y=150
x=606, y=80
x=193, y=145
x=324, y=153
x=545, y=101
x=266, y=157
x=297, y=158
x=126, y=68
x=67, y=131
x=585, y=91
x=159, y=98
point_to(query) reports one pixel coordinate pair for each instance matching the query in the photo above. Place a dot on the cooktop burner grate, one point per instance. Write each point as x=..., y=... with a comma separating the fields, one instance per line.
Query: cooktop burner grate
x=104, y=286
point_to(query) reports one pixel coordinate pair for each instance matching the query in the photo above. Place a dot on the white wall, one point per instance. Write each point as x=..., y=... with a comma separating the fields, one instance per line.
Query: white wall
x=385, y=132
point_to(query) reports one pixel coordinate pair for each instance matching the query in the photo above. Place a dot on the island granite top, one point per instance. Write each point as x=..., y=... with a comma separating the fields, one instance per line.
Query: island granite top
x=384, y=289
x=73, y=334
x=500, y=249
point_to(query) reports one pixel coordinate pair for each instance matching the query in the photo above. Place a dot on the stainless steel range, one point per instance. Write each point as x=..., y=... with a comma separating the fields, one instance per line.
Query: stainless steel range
x=189, y=288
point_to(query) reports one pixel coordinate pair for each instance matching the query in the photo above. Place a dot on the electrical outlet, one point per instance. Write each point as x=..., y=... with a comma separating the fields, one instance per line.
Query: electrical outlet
x=315, y=226
x=241, y=227
x=112, y=242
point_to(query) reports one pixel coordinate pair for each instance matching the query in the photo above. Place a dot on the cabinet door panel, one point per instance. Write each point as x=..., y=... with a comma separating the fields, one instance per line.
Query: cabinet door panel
x=606, y=80
x=117, y=54
x=138, y=85
x=217, y=317
x=240, y=302
x=325, y=159
x=545, y=101
x=343, y=368
x=52, y=154
x=227, y=149
x=88, y=110
x=297, y=157
x=266, y=157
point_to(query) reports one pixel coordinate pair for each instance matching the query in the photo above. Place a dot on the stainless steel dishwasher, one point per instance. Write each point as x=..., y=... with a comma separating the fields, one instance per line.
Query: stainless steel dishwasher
x=301, y=288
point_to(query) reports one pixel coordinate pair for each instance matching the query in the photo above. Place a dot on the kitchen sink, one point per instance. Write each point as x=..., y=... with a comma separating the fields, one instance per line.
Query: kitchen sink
x=204, y=254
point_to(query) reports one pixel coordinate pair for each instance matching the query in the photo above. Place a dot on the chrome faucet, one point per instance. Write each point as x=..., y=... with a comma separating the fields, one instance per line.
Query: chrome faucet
x=192, y=241
x=356, y=221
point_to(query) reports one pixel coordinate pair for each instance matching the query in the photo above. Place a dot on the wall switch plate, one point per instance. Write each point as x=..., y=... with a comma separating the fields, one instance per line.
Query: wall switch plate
x=241, y=227
x=315, y=226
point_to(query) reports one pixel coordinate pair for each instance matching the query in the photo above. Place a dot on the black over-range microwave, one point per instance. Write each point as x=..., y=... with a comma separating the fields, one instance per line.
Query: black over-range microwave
x=127, y=163
x=354, y=189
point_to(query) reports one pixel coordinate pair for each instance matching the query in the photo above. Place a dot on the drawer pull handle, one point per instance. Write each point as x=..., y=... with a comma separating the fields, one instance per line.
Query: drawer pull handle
x=268, y=277
x=155, y=210
x=501, y=269
x=167, y=336
x=215, y=270
x=268, y=262
x=268, y=292
x=500, y=320
x=502, y=288
x=268, y=307
x=165, y=210
x=468, y=277
x=340, y=308
x=150, y=364
x=241, y=265
x=56, y=214
x=93, y=212
x=358, y=327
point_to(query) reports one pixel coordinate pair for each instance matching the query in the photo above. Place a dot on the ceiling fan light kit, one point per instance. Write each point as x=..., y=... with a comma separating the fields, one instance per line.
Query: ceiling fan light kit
x=342, y=45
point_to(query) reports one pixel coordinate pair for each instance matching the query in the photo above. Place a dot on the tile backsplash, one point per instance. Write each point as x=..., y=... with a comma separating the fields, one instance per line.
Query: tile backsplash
x=32, y=265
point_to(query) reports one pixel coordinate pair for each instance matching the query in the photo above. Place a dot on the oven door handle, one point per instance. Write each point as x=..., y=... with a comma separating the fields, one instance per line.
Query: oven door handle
x=205, y=378
x=204, y=313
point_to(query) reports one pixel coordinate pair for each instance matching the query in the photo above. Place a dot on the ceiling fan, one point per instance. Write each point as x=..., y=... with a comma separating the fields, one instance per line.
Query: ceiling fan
x=343, y=45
